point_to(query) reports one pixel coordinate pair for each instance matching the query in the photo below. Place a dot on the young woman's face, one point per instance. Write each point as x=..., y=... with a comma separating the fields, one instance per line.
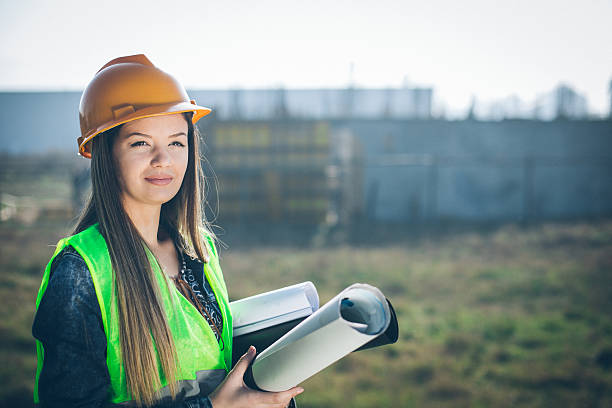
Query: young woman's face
x=151, y=156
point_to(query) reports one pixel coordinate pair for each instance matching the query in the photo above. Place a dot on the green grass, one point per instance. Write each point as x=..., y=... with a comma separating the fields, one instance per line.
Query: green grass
x=515, y=316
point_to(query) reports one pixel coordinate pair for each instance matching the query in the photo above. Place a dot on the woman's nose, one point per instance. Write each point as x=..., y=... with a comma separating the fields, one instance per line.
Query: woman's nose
x=161, y=157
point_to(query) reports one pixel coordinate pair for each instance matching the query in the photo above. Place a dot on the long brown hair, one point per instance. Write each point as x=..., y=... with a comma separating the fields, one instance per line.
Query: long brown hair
x=143, y=327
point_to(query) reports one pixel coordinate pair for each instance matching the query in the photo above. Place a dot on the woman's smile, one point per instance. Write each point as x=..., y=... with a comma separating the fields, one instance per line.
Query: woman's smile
x=159, y=180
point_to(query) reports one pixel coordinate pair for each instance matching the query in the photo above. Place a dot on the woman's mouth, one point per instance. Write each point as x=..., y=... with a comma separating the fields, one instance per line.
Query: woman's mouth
x=159, y=181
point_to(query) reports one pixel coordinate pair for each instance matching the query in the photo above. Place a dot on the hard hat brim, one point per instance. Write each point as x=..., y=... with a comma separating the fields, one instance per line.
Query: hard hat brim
x=156, y=110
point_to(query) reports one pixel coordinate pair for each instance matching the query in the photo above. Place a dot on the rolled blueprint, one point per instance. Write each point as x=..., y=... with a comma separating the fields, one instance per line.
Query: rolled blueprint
x=351, y=319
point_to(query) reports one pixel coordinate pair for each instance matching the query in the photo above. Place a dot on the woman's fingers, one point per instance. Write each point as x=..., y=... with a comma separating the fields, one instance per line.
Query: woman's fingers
x=291, y=393
x=233, y=392
x=244, y=362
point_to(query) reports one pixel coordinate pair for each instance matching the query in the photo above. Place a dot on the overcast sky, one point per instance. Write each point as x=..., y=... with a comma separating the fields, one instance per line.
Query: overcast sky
x=490, y=49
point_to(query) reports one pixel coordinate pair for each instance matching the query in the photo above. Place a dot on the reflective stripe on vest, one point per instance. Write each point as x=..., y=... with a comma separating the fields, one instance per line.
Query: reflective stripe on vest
x=200, y=360
x=206, y=381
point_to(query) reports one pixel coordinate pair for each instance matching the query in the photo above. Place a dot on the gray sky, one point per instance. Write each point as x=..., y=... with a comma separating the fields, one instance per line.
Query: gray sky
x=491, y=49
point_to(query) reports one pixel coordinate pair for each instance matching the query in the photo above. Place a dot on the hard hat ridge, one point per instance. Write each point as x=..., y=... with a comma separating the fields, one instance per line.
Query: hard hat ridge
x=137, y=59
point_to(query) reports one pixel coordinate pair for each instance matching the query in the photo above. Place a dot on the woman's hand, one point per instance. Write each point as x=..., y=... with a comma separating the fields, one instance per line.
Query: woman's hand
x=234, y=393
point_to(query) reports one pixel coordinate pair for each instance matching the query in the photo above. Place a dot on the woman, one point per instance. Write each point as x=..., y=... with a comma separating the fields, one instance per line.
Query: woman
x=133, y=308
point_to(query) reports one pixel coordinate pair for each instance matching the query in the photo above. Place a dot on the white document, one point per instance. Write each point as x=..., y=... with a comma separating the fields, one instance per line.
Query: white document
x=355, y=316
x=274, y=308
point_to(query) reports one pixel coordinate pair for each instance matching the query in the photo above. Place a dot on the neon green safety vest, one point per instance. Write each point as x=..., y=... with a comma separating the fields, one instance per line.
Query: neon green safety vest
x=201, y=362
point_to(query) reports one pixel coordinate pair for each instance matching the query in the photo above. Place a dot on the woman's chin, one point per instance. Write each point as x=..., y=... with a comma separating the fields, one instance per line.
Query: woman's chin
x=160, y=197
x=150, y=196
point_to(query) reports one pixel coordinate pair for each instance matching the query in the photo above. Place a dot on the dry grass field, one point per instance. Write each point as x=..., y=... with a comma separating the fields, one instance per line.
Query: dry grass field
x=510, y=316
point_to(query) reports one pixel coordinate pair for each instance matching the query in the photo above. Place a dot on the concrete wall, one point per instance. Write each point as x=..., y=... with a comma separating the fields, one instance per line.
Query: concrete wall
x=38, y=122
x=511, y=170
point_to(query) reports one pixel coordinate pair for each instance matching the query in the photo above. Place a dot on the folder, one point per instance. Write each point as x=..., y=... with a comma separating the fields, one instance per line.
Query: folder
x=262, y=319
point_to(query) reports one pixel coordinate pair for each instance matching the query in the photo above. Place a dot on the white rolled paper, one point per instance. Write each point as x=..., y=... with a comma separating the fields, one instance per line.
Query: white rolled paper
x=355, y=316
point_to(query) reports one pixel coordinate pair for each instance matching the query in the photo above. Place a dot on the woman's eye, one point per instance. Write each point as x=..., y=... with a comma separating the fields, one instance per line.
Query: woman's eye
x=177, y=144
x=139, y=143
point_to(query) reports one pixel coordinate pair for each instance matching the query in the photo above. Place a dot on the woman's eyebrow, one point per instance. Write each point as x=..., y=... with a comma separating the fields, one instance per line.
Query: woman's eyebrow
x=145, y=135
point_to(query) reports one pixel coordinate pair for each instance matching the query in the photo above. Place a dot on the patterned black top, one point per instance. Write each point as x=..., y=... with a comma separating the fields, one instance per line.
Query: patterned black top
x=203, y=300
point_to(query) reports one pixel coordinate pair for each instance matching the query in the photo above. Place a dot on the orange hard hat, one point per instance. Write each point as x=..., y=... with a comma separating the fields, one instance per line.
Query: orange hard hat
x=129, y=88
